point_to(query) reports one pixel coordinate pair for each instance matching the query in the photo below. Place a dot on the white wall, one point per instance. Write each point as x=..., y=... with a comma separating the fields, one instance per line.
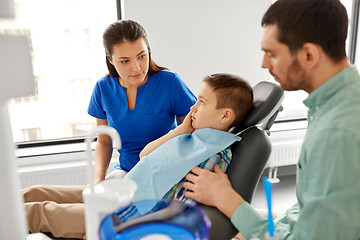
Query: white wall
x=199, y=37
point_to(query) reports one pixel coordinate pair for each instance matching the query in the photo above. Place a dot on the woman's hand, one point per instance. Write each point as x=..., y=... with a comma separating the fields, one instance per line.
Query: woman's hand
x=213, y=189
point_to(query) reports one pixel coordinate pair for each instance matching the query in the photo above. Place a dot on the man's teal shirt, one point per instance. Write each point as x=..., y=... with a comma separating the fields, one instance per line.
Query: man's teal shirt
x=328, y=171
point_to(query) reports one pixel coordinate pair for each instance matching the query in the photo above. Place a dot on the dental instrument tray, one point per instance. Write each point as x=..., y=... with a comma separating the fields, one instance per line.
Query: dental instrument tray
x=164, y=219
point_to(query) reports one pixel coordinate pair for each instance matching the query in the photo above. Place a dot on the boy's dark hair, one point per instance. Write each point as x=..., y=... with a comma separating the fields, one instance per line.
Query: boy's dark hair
x=232, y=92
x=121, y=31
x=323, y=22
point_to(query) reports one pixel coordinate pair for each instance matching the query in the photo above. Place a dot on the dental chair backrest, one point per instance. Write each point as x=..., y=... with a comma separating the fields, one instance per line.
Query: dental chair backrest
x=250, y=155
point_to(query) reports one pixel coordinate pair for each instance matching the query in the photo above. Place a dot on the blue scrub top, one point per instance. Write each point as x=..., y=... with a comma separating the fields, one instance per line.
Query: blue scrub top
x=163, y=97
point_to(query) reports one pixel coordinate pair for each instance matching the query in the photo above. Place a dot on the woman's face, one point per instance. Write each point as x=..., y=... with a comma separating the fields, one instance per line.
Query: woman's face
x=131, y=61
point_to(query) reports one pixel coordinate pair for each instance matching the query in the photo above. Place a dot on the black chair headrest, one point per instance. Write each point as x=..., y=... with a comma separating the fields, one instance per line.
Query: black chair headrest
x=267, y=102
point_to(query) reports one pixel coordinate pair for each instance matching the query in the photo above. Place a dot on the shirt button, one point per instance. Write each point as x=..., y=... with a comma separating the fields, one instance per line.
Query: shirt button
x=317, y=107
x=311, y=118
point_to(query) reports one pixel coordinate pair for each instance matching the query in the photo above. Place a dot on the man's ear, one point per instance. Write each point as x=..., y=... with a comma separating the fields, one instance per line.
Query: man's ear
x=309, y=55
x=228, y=115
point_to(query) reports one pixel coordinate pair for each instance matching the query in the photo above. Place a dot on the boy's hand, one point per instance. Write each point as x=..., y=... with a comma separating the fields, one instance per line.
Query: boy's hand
x=186, y=125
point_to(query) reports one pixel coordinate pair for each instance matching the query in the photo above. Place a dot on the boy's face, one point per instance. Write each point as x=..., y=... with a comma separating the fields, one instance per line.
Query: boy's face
x=204, y=113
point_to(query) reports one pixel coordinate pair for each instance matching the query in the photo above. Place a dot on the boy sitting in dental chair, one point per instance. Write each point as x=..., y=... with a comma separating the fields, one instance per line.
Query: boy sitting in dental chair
x=202, y=139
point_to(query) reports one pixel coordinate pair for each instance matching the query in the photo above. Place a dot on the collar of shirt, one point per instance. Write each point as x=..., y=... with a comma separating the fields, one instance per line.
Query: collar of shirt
x=333, y=85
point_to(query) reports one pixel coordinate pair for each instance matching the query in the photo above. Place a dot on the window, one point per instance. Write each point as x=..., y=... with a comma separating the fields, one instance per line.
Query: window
x=65, y=38
x=31, y=134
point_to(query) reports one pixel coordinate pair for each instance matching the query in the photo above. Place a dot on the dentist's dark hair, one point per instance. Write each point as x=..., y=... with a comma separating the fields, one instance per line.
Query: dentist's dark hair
x=121, y=31
x=323, y=22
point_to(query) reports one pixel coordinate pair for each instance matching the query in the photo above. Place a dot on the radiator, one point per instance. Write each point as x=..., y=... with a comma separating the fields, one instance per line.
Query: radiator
x=285, y=154
x=70, y=175
x=74, y=172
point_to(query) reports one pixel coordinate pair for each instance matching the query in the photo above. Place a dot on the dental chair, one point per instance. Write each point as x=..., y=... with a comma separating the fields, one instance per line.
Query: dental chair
x=250, y=155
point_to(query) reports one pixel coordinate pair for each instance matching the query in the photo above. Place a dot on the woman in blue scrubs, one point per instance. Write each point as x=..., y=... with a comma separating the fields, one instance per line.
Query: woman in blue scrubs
x=138, y=98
